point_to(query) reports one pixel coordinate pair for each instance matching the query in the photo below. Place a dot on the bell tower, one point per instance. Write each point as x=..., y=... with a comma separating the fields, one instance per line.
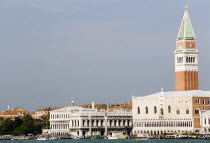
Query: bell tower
x=186, y=56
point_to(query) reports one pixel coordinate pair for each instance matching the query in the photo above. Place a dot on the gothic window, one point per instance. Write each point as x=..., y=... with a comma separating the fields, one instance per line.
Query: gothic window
x=146, y=110
x=187, y=111
x=177, y=111
x=169, y=109
x=197, y=101
x=196, y=111
x=155, y=109
x=161, y=111
x=138, y=110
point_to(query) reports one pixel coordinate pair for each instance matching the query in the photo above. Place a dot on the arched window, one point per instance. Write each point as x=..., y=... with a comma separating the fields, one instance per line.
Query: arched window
x=169, y=109
x=203, y=101
x=197, y=101
x=155, y=109
x=208, y=101
x=196, y=111
x=187, y=111
x=161, y=111
x=138, y=110
x=186, y=59
x=146, y=110
x=177, y=111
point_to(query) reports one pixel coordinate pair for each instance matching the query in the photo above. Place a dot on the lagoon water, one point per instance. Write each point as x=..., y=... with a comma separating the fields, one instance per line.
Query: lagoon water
x=109, y=141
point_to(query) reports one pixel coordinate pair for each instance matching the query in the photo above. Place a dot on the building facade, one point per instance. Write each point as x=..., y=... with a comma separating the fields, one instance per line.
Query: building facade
x=10, y=113
x=42, y=112
x=205, y=122
x=126, y=107
x=83, y=122
x=176, y=111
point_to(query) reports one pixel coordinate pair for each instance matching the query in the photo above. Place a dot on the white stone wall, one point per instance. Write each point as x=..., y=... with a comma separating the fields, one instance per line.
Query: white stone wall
x=167, y=99
x=157, y=123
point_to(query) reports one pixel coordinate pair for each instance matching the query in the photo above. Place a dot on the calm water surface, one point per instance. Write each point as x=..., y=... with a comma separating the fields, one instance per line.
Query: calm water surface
x=109, y=141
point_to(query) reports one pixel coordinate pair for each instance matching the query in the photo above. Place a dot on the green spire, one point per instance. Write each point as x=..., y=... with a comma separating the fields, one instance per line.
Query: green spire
x=186, y=31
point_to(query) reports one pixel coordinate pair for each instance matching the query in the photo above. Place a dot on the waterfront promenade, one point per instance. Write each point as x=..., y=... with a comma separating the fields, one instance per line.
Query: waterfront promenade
x=112, y=141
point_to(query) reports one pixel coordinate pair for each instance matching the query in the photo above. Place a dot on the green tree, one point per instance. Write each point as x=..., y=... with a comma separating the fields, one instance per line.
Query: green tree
x=45, y=122
x=23, y=126
x=17, y=122
x=7, y=126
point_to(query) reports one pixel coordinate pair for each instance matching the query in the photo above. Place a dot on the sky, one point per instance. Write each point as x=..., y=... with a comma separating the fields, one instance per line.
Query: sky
x=94, y=50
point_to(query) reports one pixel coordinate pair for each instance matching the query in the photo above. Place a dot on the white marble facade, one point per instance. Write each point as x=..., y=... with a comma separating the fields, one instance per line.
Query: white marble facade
x=165, y=112
x=83, y=122
x=205, y=122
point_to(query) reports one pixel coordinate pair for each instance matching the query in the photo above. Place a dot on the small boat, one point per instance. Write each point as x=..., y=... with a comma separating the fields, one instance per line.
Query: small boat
x=75, y=138
x=136, y=139
x=118, y=135
x=44, y=139
x=41, y=139
x=53, y=138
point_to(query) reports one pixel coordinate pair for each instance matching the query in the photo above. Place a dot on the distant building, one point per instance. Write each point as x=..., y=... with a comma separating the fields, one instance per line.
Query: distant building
x=39, y=113
x=126, y=107
x=18, y=112
x=83, y=122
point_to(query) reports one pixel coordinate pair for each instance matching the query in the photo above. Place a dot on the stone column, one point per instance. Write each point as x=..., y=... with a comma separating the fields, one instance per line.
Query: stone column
x=70, y=123
x=113, y=121
x=99, y=123
x=94, y=123
x=108, y=122
x=80, y=133
x=126, y=122
x=80, y=122
x=117, y=123
x=90, y=126
x=106, y=126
